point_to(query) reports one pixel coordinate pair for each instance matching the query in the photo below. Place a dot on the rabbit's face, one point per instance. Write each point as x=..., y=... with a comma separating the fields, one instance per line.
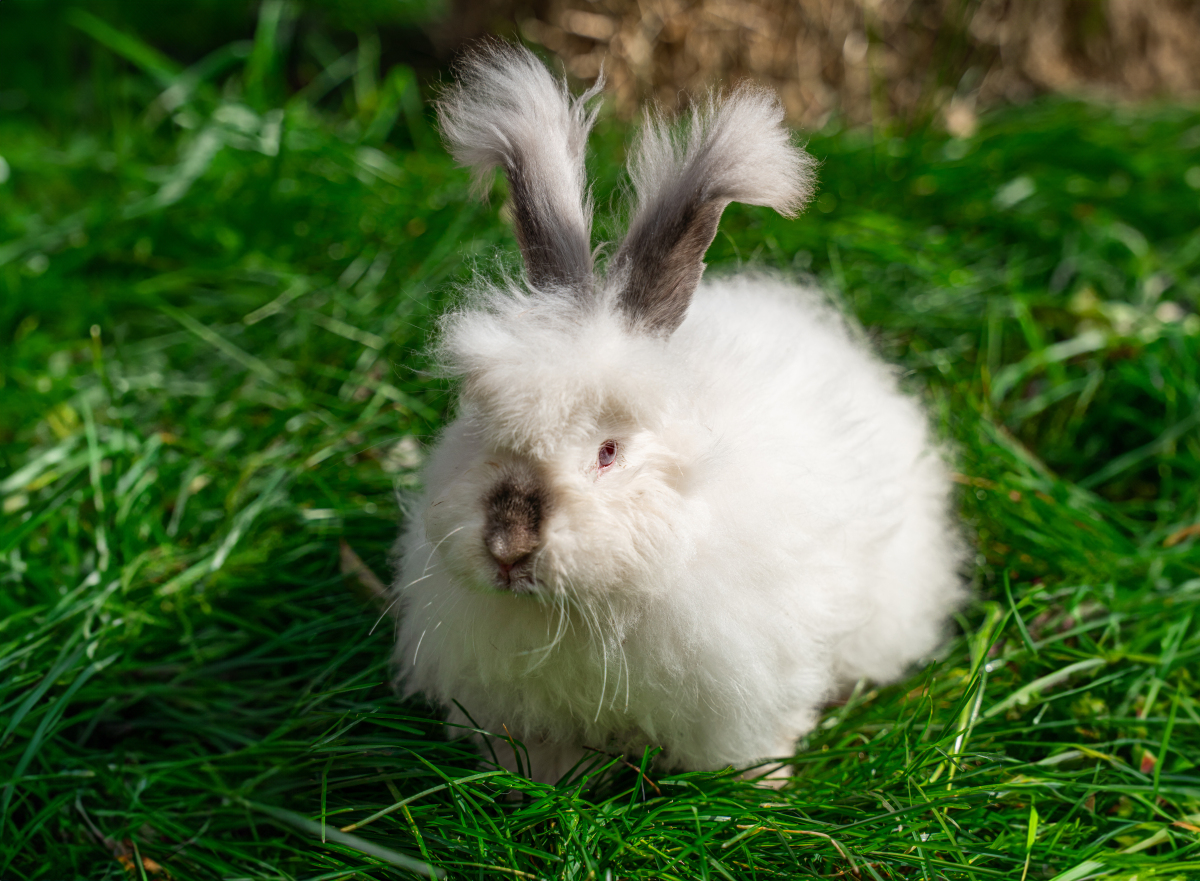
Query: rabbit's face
x=558, y=487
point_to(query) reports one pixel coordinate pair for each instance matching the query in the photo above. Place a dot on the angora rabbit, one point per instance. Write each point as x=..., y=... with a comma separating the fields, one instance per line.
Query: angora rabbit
x=668, y=513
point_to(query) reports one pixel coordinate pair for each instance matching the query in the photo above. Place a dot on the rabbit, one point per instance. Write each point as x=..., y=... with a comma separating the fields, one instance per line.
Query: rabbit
x=669, y=513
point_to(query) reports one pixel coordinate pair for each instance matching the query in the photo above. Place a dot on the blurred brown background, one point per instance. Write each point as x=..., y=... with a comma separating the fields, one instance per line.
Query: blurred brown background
x=906, y=60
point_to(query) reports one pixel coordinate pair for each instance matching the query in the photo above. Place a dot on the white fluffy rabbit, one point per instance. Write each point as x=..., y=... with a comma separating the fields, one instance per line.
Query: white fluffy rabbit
x=668, y=513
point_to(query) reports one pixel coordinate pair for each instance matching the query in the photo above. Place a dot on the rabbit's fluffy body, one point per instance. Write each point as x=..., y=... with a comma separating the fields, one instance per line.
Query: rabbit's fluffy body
x=773, y=522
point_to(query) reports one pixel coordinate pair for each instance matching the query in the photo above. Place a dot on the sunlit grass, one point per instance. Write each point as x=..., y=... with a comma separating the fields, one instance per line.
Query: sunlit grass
x=213, y=308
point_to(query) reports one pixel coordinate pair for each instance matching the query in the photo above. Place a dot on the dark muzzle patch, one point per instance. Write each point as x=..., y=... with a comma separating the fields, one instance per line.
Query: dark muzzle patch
x=515, y=510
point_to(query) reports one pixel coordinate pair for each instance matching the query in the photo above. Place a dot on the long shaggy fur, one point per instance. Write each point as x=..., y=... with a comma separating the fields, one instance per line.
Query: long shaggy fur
x=735, y=150
x=776, y=523
x=508, y=111
x=731, y=150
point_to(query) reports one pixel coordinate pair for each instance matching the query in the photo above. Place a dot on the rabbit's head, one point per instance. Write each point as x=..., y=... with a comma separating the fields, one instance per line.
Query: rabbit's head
x=573, y=466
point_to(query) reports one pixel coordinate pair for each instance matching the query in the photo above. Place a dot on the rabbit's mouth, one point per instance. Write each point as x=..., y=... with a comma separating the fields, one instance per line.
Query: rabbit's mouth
x=516, y=578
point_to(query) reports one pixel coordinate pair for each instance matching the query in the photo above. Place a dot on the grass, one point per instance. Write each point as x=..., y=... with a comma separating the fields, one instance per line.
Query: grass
x=214, y=296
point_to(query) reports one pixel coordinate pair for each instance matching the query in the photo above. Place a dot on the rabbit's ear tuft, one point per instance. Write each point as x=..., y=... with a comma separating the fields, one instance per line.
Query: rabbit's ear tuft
x=736, y=150
x=507, y=110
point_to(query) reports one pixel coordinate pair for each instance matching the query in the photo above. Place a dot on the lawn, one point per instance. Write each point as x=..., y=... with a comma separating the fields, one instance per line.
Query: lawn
x=217, y=285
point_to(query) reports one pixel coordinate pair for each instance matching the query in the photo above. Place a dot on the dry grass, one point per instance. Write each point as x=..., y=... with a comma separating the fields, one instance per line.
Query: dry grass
x=869, y=59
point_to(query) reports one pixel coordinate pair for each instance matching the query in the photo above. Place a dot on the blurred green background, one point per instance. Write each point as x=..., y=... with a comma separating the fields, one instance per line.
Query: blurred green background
x=225, y=235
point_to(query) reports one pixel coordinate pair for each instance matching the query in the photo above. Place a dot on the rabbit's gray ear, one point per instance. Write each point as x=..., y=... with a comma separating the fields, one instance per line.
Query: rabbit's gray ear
x=736, y=150
x=507, y=110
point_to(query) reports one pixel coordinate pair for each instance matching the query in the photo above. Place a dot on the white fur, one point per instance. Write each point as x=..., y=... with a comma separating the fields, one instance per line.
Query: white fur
x=734, y=150
x=776, y=524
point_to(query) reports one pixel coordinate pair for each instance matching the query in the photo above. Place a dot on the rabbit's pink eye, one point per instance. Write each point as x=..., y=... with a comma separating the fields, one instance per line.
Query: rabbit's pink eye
x=608, y=453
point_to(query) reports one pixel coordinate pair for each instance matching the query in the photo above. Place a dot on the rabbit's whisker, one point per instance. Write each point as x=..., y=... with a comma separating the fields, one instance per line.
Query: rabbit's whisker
x=453, y=602
x=399, y=596
x=418, y=648
x=439, y=544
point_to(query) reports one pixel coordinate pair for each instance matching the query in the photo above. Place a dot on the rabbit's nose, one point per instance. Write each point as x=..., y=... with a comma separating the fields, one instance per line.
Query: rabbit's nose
x=505, y=552
x=510, y=548
x=513, y=523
